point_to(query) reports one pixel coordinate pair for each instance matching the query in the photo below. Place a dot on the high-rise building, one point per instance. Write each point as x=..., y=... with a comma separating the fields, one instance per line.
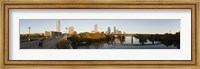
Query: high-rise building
x=109, y=30
x=71, y=30
x=95, y=28
x=58, y=25
x=115, y=30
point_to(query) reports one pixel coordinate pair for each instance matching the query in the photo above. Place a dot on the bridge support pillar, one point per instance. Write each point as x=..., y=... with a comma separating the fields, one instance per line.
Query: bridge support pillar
x=131, y=39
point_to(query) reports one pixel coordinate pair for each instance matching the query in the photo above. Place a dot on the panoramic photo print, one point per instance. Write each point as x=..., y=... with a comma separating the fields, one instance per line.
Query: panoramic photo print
x=99, y=33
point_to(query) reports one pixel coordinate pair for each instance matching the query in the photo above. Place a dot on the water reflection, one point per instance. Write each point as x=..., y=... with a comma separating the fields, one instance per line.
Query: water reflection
x=127, y=43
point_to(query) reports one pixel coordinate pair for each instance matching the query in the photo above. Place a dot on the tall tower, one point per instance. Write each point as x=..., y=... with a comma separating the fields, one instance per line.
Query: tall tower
x=58, y=25
x=95, y=28
x=109, y=30
x=115, y=30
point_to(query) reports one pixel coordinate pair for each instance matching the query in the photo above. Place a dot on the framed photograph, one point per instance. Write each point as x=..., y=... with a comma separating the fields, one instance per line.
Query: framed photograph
x=99, y=33
x=63, y=33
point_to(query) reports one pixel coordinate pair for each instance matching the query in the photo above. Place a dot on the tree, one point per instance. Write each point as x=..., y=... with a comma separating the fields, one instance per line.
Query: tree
x=75, y=39
x=86, y=35
x=151, y=38
x=177, y=40
x=63, y=44
x=167, y=39
x=98, y=36
x=142, y=38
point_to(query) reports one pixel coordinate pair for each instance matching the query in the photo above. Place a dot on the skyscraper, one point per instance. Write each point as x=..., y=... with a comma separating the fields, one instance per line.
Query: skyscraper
x=71, y=30
x=58, y=25
x=95, y=28
x=109, y=30
x=115, y=30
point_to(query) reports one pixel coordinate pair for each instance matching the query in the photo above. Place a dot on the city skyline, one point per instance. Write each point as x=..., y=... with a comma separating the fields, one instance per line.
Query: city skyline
x=130, y=26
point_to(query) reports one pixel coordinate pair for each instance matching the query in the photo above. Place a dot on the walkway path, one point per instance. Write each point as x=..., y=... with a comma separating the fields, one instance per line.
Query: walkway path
x=48, y=44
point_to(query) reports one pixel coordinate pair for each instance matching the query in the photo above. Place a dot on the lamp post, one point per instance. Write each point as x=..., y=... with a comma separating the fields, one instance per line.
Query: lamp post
x=29, y=34
x=66, y=33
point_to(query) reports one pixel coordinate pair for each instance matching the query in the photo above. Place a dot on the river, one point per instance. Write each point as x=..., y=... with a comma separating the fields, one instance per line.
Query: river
x=127, y=44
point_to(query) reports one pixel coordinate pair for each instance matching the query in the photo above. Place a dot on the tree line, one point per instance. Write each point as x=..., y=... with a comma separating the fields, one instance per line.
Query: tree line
x=87, y=38
x=167, y=39
x=33, y=37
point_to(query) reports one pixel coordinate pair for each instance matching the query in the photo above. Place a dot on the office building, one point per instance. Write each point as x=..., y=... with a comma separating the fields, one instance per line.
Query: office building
x=115, y=30
x=58, y=25
x=95, y=29
x=71, y=30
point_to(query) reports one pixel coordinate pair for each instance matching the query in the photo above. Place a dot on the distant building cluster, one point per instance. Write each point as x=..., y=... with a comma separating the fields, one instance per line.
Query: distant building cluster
x=71, y=30
x=115, y=31
x=108, y=31
x=95, y=29
x=54, y=33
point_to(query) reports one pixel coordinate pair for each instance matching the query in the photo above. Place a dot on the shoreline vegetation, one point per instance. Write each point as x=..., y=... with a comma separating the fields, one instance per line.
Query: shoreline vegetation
x=87, y=38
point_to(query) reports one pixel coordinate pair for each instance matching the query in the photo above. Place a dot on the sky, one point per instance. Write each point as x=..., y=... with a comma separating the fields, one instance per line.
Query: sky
x=131, y=26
